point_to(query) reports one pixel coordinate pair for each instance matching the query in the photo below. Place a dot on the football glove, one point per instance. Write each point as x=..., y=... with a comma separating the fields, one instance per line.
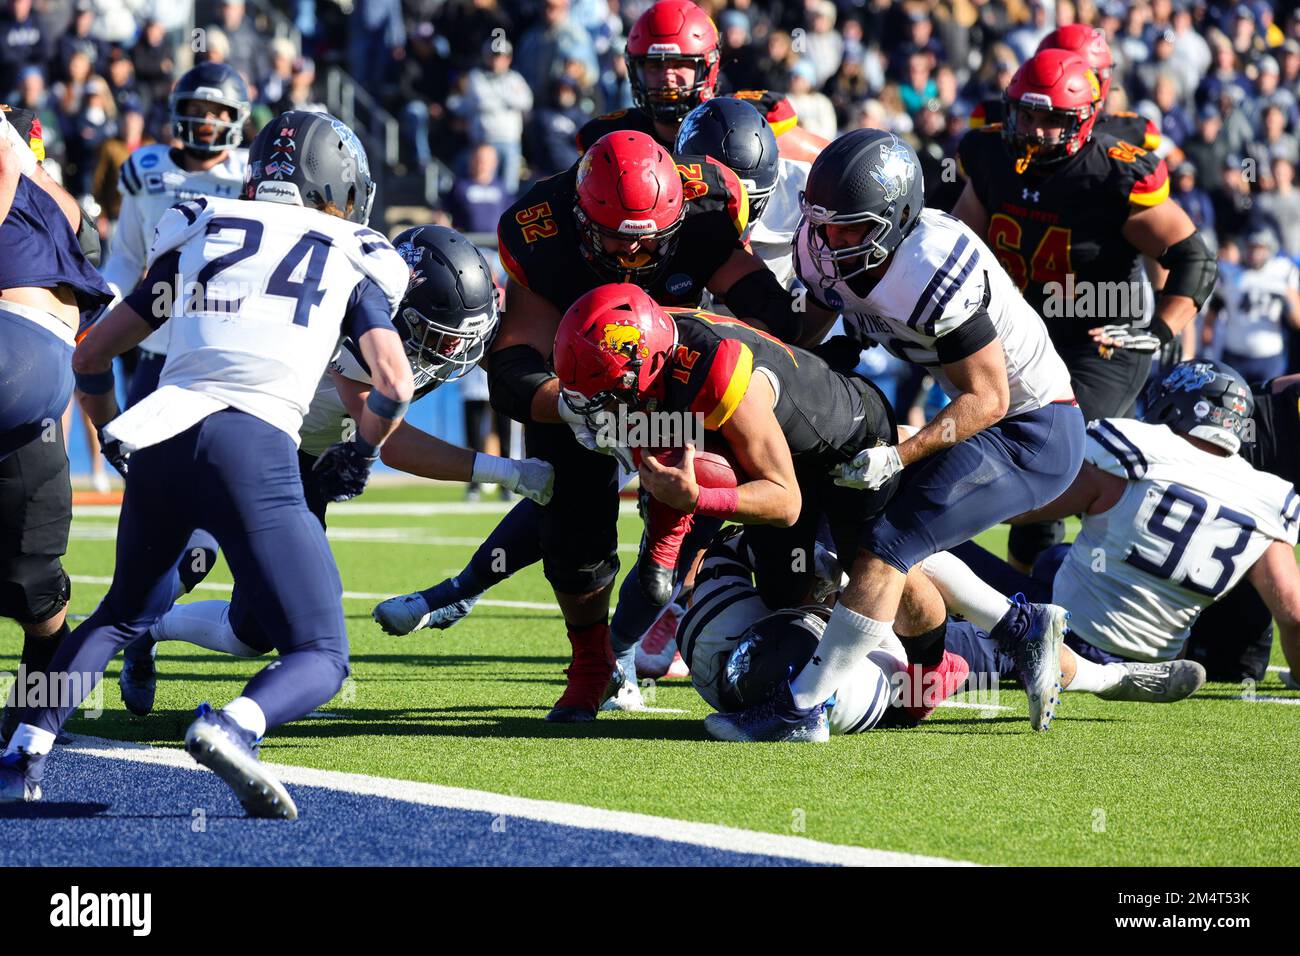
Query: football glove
x=343, y=469
x=112, y=449
x=1129, y=338
x=532, y=477
x=588, y=436
x=869, y=469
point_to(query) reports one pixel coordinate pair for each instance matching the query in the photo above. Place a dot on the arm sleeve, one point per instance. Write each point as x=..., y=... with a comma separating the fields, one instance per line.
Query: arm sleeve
x=152, y=299
x=368, y=308
x=966, y=339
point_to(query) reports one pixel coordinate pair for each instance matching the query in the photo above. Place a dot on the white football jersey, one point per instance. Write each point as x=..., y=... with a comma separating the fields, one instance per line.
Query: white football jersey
x=725, y=604
x=151, y=183
x=939, y=277
x=327, y=420
x=265, y=288
x=1188, y=527
x=1254, y=302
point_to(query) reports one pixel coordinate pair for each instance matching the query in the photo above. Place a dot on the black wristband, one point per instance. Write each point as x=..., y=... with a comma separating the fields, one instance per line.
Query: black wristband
x=1161, y=331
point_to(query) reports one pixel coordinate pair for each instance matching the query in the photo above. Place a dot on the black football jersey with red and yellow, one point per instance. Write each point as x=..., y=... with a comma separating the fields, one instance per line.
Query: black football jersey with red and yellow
x=773, y=105
x=1057, y=231
x=539, y=246
x=1130, y=127
x=822, y=413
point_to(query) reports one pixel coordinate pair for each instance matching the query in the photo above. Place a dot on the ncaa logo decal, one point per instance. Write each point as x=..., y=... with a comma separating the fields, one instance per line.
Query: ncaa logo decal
x=623, y=340
x=833, y=298
x=895, y=171
x=679, y=283
x=1201, y=408
x=148, y=162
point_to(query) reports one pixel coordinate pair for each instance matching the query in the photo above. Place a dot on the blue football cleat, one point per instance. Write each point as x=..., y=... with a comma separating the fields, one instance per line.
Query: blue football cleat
x=229, y=751
x=138, y=680
x=776, y=720
x=1032, y=634
x=20, y=776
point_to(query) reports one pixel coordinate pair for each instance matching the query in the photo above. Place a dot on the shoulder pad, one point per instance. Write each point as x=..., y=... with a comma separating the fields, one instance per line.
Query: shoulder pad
x=178, y=224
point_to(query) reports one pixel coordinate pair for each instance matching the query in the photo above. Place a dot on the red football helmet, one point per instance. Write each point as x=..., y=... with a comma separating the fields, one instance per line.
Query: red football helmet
x=673, y=30
x=1058, y=84
x=612, y=347
x=1090, y=43
x=629, y=191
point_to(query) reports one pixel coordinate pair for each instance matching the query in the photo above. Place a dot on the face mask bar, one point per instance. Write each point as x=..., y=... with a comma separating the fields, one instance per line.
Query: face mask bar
x=621, y=266
x=230, y=133
x=830, y=263
x=441, y=353
x=1037, y=149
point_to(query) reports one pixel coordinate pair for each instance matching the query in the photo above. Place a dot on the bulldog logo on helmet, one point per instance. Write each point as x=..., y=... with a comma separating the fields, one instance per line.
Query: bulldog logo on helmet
x=623, y=340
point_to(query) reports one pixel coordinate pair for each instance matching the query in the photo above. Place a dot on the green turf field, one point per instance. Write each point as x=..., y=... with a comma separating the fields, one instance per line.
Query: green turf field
x=1211, y=780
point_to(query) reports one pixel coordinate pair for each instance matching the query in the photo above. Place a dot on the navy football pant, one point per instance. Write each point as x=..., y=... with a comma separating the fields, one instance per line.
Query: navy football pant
x=1017, y=465
x=241, y=480
x=35, y=380
x=201, y=550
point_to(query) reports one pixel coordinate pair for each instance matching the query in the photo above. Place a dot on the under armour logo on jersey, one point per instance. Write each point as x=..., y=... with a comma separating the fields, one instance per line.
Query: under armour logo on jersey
x=1025, y=194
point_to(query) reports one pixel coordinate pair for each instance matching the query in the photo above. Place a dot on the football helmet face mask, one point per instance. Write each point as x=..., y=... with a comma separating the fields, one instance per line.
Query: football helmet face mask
x=1053, y=89
x=611, y=349
x=1202, y=398
x=673, y=31
x=311, y=159
x=629, y=208
x=770, y=652
x=1090, y=43
x=735, y=134
x=449, y=313
x=219, y=85
x=867, y=178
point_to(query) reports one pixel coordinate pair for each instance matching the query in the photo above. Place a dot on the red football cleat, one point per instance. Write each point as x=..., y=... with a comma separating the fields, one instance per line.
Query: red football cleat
x=926, y=687
x=588, y=673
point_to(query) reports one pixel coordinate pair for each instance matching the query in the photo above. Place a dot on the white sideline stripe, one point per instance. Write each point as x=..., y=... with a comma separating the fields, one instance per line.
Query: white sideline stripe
x=713, y=836
x=350, y=595
x=972, y=705
x=393, y=509
x=84, y=531
x=1292, y=701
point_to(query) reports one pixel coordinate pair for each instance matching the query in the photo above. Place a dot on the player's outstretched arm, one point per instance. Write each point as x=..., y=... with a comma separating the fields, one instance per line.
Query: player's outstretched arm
x=1277, y=580
x=521, y=385
x=752, y=292
x=971, y=211
x=390, y=371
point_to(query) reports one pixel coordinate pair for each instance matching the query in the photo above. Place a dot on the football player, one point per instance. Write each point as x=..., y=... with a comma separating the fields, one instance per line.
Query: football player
x=209, y=106
x=1069, y=213
x=298, y=267
x=1090, y=44
x=1253, y=307
x=925, y=286
x=48, y=287
x=1176, y=518
x=628, y=211
x=673, y=56
x=446, y=320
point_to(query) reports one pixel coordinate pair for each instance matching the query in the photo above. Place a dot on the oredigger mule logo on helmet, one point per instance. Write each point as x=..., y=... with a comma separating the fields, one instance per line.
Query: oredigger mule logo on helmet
x=358, y=152
x=895, y=172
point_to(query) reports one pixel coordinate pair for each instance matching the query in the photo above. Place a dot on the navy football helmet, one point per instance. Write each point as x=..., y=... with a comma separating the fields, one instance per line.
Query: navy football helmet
x=311, y=159
x=1204, y=399
x=211, y=83
x=866, y=177
x=735, y=134
x=449, y=313
x=771, y=651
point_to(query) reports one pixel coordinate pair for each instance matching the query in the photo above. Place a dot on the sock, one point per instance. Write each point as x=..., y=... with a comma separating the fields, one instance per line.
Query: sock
x=848, y=638
x=35, y=659
x=465, y=585
x=964, y=592
x=32, y=739
x=634, y=614
x=627, y=661
x=1095, y=678
x=926, y=649
x=204, y=624
x=246, y=712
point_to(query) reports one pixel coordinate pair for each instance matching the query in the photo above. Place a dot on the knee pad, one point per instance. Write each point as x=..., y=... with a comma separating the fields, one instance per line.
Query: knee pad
x=33, y=588
x=569, y=578
x=1027, y=541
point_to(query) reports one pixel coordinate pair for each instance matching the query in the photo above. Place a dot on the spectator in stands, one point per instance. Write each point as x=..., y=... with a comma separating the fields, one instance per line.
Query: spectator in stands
x=823, y=45
x=1280, y=205
x=1024, y=40
x=1273, y=141
x=815, y=112
x=115, y=21
x=22, y=43
x=1270, y=92
x=246, y=44
x=274, y=86
x=81, y=36
x=155, y=60
x=919, y=87
x=121, y=80
x=920, y=39
x=614, y=88
x=740, y=59
x=847, y=88
x=1192, y=56
x=494, y=103
x=778, y=61
x=94, y=123
x=546, y=47
x=1225, y=74
x=1237, y=128
x=994, y=74
x=1207, y=150
x=214, y=47
x=1130, y=45
x=477, y=200
x=1174, y=122
x=473, y=23
x=1147, y=74
x=69, y=91
x=302, y=89
x=104, y=187
x=551, y=134
x=1234, y=203
x=1194, y=201
x=422, y=89
x=376, y=43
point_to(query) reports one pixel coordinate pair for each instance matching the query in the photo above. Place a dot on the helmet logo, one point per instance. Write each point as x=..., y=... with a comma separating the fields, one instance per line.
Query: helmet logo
x=637, y=227
x=1040, y=101
x=894, y=172
x=1190, y=376
x=663, y=48
x=1201, y=408
x=623, y=340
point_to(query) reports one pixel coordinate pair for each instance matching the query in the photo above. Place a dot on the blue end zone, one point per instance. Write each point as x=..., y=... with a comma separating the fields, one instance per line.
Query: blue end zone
x=98, y=811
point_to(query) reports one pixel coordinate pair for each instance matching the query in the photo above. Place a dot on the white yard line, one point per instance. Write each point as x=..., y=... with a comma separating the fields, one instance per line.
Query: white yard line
x=713, y=836
x=406, y=509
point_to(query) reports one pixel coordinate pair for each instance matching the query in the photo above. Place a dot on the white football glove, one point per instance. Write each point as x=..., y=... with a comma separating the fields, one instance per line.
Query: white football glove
x=26, y=158
x=589, y=438
x=1131, y=339
x=531, y=477
x=869, y=469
